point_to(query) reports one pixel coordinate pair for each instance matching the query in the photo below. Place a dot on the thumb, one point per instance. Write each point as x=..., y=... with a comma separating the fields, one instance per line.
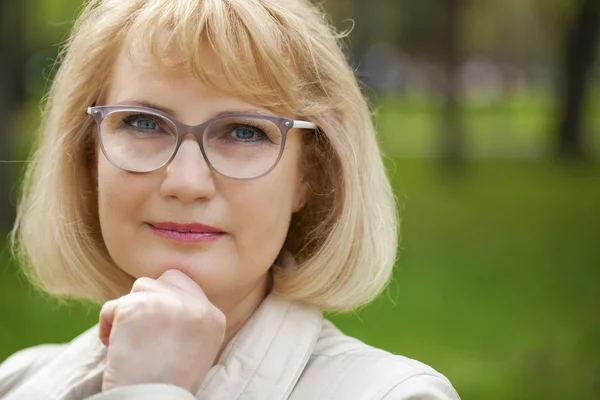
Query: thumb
x=107, y=316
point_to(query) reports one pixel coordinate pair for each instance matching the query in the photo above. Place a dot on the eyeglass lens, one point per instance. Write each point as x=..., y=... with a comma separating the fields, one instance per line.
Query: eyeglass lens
x=238, y=147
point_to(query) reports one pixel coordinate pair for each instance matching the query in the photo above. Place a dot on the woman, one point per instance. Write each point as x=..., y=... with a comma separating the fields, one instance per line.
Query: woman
x=208, y=170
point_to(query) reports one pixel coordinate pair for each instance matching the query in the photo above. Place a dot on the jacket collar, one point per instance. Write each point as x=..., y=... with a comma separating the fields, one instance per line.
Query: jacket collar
x=263, y=361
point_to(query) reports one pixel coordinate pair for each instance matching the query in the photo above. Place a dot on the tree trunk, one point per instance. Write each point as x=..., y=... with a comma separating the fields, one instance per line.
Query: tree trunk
x=11, y=96
x=360, y=34
x=580, y=46
x=452, y=142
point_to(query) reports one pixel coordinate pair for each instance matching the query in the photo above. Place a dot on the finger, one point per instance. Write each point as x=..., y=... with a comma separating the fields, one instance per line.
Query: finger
x=114, y=310
x=107, y=316
x=181, y=280
x=151, y=285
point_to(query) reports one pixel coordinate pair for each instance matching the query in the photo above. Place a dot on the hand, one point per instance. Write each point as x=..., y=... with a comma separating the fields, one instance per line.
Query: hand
x=164, y=331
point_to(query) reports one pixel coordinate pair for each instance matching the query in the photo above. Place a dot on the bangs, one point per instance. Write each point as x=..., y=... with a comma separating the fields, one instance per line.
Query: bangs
x=237, y=47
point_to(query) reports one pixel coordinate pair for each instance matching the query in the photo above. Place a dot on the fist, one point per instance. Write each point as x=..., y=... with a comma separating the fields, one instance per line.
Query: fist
x=164, y=331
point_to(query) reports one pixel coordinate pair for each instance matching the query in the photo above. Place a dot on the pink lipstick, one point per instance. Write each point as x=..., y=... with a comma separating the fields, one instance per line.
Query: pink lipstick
x=188, y=233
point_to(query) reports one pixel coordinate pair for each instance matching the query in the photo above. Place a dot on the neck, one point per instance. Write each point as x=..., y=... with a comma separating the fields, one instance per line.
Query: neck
x=238, y=309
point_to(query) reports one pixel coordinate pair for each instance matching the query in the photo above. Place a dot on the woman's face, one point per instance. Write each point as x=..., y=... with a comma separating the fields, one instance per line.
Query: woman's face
x=254, y=215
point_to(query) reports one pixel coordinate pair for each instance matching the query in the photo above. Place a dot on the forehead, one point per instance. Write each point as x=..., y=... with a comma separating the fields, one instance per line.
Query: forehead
x=136, y=78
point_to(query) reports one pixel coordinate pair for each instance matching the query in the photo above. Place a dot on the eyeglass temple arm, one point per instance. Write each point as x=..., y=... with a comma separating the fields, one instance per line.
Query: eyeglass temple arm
x=304, y=125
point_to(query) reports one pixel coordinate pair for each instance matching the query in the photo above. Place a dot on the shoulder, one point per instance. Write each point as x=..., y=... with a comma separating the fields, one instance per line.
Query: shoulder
x=344, y=367
x=23, y=364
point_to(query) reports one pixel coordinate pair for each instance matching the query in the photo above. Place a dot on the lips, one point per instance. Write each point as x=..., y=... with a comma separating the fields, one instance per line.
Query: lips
x=185, y=228
x=185, y=233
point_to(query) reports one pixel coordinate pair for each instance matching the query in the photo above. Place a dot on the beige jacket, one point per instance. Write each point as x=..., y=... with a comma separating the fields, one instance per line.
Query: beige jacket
x=285, y=351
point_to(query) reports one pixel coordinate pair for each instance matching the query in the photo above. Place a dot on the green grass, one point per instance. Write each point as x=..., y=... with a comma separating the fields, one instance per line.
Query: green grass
x=496, y=286
x=29, y=317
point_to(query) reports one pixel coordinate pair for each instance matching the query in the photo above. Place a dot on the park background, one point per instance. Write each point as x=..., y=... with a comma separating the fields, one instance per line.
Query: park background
x=488, y=113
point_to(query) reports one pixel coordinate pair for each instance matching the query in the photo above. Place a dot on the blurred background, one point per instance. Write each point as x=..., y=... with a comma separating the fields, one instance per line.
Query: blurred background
x=488, y=113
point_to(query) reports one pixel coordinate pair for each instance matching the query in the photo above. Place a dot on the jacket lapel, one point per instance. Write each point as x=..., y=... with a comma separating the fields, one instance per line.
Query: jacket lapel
x=265, y=359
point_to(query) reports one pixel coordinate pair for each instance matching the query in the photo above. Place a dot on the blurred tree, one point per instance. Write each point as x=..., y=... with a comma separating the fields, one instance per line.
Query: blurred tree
x=581, y=39
x=11, y=96
x=452, y=149
x=361, y=37
x=427, y=29
x=434, y=29
x=371, y=23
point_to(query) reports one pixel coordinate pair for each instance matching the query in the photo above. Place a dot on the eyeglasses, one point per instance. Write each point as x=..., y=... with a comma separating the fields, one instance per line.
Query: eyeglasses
x=236, y=145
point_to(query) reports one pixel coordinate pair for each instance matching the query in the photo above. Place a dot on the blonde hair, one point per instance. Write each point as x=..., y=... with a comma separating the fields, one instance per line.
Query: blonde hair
x=344, y=240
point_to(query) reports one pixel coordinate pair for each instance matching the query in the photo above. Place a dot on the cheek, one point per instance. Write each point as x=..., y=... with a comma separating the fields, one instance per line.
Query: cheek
x=120, y=197
x=110, y=191
x=263, y=211
x=263, y=207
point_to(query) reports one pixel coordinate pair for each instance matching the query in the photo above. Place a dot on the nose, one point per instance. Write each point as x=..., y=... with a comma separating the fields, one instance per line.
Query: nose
x=188, y=176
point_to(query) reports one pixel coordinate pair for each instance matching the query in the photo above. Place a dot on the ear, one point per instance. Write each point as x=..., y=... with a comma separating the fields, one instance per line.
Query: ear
x=301, y=197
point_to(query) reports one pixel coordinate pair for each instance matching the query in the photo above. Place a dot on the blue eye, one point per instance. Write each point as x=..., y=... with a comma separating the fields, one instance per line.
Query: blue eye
x=244, y=133
x=145, y=124
x=141, y=123
x=248, y=134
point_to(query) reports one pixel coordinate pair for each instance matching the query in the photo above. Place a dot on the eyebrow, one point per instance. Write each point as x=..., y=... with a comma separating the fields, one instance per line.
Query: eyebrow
x=148, y=104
